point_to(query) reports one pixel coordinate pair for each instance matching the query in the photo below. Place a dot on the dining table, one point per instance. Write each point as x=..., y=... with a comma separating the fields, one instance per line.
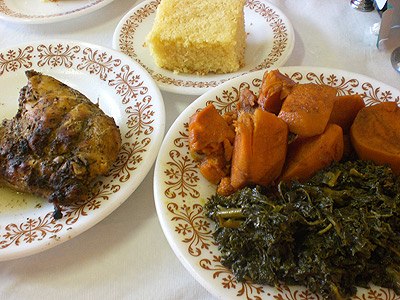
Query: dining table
x=126, y=255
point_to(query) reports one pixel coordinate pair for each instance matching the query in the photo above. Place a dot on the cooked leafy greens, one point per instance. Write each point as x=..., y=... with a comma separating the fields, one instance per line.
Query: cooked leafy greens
x=339, y=230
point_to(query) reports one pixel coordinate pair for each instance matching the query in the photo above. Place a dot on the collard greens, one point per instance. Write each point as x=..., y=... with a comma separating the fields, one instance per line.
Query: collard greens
x=337, y=231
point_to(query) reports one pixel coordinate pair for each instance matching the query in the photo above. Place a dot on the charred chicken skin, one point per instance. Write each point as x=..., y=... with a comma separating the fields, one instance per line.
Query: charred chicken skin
x=57, y=143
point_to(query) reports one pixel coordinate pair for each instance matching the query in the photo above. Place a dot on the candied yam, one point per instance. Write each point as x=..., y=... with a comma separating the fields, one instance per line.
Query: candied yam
x=213, y=168
x=242, y=150
x=207, y=130
x=228, y=150
x=274, y=89
x=375, y=134
x=259, y=149
x=345, y=110
x=247, y=101
x=306, y=155
x=307, y=108
x=225, y=187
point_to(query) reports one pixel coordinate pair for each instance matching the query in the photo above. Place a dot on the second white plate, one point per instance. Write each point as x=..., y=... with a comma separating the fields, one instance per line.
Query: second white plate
x=270, y=42
x=124, y=91
x=40, y=12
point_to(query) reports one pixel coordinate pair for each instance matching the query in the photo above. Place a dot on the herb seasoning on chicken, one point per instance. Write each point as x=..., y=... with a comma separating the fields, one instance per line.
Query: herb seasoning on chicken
x=57, y=143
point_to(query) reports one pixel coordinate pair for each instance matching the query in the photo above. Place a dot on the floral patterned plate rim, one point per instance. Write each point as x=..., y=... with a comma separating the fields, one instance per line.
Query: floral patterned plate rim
x=180, y=190
x=270, y=42
x=123, y=90
x=40, y=12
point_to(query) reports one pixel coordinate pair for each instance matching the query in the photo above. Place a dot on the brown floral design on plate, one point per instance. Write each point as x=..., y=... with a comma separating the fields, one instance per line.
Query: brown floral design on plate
x=270, y=49
x=123, y=90
x=180, y=190
x=18, y=11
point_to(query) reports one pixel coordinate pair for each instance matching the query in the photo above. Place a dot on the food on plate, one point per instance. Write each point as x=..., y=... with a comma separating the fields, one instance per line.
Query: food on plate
x=261, y=134
x=375, y=134
x=57, y=142
x=307, y=108
x=345, y=109
x=208, y=130
x=311, y=194
x=198, y=36
x=247, y=101
x=259, y=149
x=211, y=135
x=307, y=155
x=274, y=90
x=337, y=231
x=214, y=168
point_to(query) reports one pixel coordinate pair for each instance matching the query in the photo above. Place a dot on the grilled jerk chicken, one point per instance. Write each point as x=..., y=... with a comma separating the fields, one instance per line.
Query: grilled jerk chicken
x=57, y=143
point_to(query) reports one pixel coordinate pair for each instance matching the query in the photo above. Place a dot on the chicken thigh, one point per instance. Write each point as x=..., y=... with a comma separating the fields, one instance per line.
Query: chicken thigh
x=57, y=143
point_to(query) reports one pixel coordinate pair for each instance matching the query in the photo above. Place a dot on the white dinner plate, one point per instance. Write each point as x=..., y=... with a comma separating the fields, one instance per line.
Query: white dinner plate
x=124, y=91
x=39, y=12
x=270, y=42
x=180, y=190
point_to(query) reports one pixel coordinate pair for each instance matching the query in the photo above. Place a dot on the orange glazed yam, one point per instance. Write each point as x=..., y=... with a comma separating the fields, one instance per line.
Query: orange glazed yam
x=225, y=188
x=345, y=110
x=307, y=155
x=242, y=150
x=208, y=130
x=274, y=89
x=247, y=101
x=307, y=108
x=259, y=149
x=375, y=134
x=213, y=168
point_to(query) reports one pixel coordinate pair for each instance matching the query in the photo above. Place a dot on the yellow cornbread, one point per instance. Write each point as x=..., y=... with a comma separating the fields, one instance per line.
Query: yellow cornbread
x=199, y=36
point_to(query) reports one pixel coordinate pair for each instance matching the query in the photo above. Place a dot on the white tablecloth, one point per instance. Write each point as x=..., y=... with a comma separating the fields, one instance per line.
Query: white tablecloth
x=126, y=256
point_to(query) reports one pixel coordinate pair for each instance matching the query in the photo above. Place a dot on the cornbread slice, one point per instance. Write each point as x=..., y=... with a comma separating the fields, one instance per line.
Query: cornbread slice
x=199, y=36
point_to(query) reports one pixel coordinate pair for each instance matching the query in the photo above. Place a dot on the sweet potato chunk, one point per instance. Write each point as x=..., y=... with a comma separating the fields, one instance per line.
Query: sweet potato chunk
x=213, y=168
x=274, y=89
x=345, y=110
x=307, y=108
x=375, y=134
x=259, y=149
x=225, y=187
x=247, y=101
x=207, y=130
x=306, y=155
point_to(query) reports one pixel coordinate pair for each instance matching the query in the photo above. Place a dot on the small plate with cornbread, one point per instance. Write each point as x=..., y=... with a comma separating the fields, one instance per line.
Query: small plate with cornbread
x=190, y=47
